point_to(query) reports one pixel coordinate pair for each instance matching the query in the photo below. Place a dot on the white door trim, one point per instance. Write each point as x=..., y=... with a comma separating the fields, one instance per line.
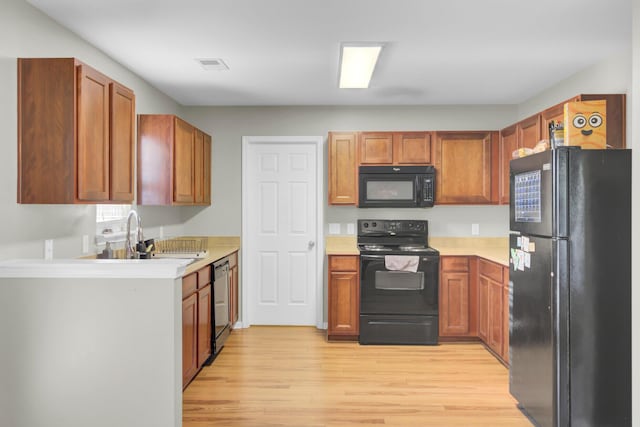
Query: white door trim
x=318, y=141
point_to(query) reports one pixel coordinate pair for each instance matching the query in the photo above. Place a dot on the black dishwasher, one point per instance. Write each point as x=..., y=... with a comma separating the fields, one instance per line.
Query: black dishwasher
x=220, y=306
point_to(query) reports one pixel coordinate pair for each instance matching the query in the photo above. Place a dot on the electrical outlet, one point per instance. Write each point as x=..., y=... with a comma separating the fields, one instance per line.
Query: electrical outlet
x=48, y=249
x=334, y=228
x=475, y=229
x=351, y=228
x=85, y=244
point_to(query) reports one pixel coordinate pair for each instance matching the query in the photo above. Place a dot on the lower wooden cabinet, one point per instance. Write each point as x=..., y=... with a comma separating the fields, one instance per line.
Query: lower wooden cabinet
x=233, y=289
x=491, y=308
x=506, y=315
x=189, y=338
x=344, y=297
x=483, y=309
x=204, y=324
x=474, y=302
x=456, y=294
x=197, y=323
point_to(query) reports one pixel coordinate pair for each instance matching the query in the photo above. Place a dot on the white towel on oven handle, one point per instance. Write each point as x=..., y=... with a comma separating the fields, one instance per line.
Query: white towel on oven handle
x=402, y=262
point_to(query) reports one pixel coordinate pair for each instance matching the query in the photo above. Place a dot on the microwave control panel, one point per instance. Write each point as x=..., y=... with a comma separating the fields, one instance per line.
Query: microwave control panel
x=427, y=189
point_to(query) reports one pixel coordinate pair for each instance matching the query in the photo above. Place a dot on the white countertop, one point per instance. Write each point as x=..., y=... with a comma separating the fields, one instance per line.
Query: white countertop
x=168, y=268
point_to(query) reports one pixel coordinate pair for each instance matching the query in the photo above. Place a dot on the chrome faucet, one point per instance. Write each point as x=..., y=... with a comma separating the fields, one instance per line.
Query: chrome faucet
x=130, y=250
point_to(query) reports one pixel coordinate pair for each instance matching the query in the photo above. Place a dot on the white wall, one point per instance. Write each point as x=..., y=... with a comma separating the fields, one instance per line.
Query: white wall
x=612, y=75
x=26, y=32
x=227, y=125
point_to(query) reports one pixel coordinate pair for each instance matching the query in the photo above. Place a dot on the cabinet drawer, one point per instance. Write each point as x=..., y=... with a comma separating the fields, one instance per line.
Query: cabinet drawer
x=204, y=277
x=455, y=263
x=343, y=263
x=490, y=270
x=189, y=284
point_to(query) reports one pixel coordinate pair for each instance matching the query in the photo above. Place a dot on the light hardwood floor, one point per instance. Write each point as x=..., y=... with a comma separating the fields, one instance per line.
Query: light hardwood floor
x=291, y=376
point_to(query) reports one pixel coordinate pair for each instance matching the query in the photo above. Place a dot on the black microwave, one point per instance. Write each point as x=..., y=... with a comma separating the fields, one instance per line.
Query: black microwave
x=396, y=186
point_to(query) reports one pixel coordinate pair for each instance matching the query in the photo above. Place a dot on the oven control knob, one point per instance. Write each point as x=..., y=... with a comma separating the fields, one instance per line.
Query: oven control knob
x=365, y=225
x=374, y=225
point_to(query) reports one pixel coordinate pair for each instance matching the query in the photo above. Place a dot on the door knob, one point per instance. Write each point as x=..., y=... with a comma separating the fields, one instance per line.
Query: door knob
x=311, y=244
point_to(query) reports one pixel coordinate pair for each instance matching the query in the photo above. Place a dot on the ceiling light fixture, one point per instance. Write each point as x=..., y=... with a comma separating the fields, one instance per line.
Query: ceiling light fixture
x=357, y=62
x=216, y=64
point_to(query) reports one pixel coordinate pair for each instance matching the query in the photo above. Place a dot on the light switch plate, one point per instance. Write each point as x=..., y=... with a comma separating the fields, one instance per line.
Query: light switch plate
x=351, y=228
x=475, y=229
x=334, y=228
x=85, y=243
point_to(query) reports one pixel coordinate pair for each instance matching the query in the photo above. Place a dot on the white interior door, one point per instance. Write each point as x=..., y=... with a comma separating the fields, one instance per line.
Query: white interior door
x=280, y=274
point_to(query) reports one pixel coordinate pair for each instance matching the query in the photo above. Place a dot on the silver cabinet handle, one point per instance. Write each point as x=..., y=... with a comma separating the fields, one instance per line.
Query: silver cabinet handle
x=311, y=244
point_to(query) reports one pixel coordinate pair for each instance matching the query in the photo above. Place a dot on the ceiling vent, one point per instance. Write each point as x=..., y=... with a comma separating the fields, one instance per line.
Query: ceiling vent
x=216, y=64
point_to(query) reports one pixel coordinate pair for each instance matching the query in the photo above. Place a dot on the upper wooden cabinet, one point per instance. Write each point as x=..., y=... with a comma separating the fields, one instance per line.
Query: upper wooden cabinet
x=464, y=167
x=524, y=134
x=376, y=148
x=395, y=148
x=348, y=150
x=343, y=168
x=75, y=134
x=528, y=132
x=412, y=148
x=174, y=162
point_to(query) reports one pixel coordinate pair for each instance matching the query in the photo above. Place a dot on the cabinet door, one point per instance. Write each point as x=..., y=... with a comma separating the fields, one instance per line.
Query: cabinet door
x=483, y=308
x=343, y=169
x=189, y=338
x=233, y=295
x=122, y=142
x=207, y=169
x=204, y=324
x=464, y=168
x=93, y=135
x=412, y=148
x=555, y=114
x=529, y=132
x=183, y=163
x=376, y=148
x=505, y=314
x=344, y=307
x=508, y=144
x=198, y=166
x=454, y=304
x=496, y=317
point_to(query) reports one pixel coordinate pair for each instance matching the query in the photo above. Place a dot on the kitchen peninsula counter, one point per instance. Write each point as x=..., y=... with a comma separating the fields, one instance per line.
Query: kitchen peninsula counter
x=106, y=332
x=218, y=247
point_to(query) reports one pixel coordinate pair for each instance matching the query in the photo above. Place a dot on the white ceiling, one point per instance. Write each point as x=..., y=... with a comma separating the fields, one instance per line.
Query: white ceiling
x=285, y=52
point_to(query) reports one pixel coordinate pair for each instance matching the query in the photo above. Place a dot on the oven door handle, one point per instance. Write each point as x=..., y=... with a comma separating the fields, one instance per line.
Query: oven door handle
x=381, y=257
x=371, y=257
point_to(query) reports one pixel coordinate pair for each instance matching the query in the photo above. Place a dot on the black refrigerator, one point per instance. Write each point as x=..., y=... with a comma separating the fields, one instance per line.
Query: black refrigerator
x=570, y=287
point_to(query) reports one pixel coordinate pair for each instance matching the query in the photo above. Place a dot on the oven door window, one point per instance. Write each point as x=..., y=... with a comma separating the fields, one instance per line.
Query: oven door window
x=399, y=280
x=398, y=292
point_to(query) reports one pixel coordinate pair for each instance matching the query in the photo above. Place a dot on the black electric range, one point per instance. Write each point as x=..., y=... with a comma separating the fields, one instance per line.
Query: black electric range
x=398, y=283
